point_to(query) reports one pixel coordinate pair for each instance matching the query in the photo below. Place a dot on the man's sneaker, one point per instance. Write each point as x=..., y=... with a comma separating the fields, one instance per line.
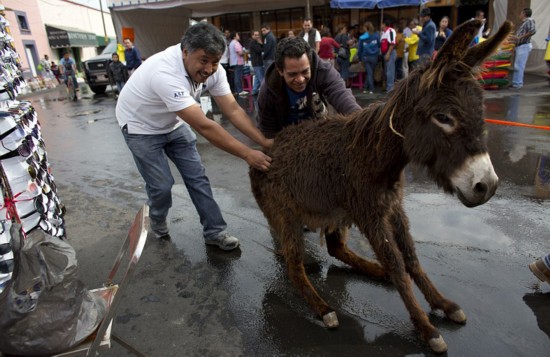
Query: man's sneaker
x=243, y=93
x=159, y=229
x=224, y=241
x=540, y=270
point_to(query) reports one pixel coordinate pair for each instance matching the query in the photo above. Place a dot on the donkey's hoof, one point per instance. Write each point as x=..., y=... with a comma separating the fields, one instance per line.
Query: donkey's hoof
x=438, y=344
x=458, y=316
x=331, y=320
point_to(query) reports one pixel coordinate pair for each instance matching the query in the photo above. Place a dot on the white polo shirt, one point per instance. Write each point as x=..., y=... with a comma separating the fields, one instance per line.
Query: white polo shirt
x=158, y=89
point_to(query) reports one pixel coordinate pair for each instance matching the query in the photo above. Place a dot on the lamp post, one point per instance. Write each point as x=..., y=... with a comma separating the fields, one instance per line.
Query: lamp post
x=103, y=21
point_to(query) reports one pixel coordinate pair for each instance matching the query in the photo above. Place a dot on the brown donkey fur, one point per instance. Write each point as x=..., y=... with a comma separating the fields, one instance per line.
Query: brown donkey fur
x=348, y=170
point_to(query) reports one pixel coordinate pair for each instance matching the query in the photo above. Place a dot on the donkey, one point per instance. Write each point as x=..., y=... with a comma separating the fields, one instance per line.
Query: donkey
x=332, y=173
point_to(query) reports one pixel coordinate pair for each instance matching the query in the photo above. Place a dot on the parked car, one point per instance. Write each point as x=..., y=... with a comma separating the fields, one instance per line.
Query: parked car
x=96, y=69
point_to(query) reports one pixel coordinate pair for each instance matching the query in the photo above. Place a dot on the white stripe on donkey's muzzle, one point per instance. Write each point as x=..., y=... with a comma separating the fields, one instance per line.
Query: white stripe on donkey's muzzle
x=476, y=181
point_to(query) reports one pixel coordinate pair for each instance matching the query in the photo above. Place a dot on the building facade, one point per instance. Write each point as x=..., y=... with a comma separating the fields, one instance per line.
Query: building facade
x=52, y=27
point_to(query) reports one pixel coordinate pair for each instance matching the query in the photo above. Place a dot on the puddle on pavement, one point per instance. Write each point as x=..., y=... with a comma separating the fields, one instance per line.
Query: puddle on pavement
x=521, y=155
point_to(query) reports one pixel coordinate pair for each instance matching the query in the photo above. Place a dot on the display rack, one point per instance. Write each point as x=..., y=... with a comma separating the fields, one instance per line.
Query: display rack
x=29, y=195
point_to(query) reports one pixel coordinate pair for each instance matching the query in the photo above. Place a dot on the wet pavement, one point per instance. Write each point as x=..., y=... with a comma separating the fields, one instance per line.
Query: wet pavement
x=187, y=299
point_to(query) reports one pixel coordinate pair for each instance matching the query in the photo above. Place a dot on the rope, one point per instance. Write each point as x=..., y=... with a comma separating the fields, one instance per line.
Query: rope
x=391, y=125
x=511, y=123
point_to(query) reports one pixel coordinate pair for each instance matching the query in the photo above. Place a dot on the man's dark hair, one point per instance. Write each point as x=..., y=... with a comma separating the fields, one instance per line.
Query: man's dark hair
x=232, y=34
x=204, y=36
x=266, y=26
x=528, y=12
x=291, y=47
x=479, y=12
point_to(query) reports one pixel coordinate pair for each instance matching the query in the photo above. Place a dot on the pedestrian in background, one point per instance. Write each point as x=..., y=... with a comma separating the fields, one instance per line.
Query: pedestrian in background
x=387, y=48
x=443, y=33
x=426, y=36
x=328, y=46
x=269, y=46
x=412, y=44
x=368, y=50
x=236, y=62
x=118, y=72
x=523, y=46
x=224, y=61
x=156, y=110
x=255, y=48
x=343, y=61
x=311, y=35
x=132, y=56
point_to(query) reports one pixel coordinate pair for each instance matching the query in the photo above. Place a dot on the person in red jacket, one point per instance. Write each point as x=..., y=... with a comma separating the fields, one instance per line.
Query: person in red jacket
x=328, y=46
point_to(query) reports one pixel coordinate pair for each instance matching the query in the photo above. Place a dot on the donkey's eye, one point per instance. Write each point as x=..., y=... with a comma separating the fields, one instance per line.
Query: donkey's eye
x=445, y=122
x=443, y=119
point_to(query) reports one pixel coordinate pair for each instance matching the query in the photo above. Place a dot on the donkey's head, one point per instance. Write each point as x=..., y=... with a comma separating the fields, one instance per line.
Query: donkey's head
x=444, y=129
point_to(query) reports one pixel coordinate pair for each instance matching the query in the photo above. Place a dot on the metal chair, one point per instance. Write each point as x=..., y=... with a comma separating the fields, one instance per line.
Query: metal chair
x=112, y=292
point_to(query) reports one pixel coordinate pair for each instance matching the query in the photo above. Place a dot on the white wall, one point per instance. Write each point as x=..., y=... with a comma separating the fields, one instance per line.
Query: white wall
x=62, y=13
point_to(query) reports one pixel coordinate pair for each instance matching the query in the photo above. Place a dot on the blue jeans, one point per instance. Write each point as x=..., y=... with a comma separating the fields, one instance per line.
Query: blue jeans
x=390, y=70
x=522, y=54
x=370, y=63
x=120, y=85
x=258, y=78
x=73, y=77
x=238, y=73
x=151, y=152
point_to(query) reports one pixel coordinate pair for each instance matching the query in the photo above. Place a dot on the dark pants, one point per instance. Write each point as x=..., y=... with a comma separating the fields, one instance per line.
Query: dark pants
x=230, y=76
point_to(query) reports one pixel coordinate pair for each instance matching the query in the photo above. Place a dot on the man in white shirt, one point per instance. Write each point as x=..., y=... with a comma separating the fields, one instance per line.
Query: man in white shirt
x=311, y=35
x=156, y=110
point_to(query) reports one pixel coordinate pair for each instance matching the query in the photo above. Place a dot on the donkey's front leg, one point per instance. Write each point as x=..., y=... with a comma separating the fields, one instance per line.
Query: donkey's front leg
x=292, y=242
x=379, y=232
x=338, y=248
x=404, y=240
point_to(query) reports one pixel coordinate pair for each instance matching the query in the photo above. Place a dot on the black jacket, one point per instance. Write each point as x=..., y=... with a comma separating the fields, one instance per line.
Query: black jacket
x=273, y=102
x=255, y=48
x=118, y=72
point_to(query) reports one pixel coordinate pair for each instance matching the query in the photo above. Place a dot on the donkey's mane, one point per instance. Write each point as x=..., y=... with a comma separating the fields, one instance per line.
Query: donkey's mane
x=380, y=119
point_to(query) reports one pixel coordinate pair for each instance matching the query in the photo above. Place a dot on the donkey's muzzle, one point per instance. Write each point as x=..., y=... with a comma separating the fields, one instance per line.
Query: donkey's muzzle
x=476, y=181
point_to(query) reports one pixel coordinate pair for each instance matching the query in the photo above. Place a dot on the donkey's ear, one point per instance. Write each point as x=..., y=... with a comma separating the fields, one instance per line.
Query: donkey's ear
x=455, y=47
x=477, y=54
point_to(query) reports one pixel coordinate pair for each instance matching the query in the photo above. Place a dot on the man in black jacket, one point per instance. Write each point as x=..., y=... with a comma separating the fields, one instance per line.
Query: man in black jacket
x=255, y=47
x=297, y=88
x=269, y=46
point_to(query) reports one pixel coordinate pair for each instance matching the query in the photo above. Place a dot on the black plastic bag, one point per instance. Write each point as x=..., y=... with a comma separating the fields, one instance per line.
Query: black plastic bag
x=45, y=309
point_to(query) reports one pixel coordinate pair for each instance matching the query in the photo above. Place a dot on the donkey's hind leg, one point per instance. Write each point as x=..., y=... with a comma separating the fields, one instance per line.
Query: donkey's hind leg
x=290, y=235
x=337, y=247
x=405, y=243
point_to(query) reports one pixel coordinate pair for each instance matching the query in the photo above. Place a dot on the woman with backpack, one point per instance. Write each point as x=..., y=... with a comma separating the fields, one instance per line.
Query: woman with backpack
x=368, y=49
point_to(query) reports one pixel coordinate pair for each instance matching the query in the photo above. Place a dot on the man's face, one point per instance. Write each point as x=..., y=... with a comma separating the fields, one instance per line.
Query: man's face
x=307, y=26
x=265, y=31
x=480, y=16
x=200, y=65
x=66, y=56
x=296, y=73
x=114, y=58
x=128, y=43
x=226, y=33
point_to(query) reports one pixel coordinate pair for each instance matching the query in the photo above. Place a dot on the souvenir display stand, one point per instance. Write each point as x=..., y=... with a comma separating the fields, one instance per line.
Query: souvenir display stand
x=497, y=68
x=29, y=195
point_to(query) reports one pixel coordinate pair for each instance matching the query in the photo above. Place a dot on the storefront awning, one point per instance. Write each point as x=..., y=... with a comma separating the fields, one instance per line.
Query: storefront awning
x=101, y=40
x=61, y=36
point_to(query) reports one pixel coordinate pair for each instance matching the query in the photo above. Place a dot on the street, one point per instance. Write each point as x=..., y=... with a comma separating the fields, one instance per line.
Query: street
x=187, y=299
